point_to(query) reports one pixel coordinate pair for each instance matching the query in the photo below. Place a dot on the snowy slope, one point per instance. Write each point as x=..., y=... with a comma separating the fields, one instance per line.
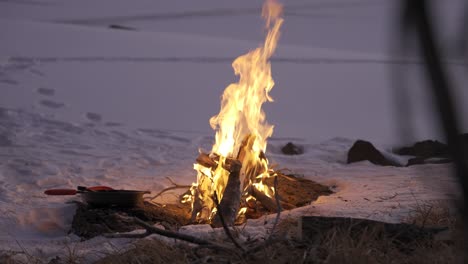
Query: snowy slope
x=153, y=75
x=172, y=80
x=39, y=152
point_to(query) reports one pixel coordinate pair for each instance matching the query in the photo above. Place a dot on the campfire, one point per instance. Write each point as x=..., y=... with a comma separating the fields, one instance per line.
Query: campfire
x=231, y=179
x=234, y=180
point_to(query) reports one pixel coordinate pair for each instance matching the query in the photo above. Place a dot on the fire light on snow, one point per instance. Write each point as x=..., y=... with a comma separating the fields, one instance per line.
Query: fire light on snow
x=241, y=127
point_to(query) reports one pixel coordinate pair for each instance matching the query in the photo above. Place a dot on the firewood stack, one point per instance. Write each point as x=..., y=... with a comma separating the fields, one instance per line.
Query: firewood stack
x=245, y=168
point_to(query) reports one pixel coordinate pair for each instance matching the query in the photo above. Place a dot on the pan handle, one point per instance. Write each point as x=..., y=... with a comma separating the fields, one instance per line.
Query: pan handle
x=80, y=190
x=61, y=192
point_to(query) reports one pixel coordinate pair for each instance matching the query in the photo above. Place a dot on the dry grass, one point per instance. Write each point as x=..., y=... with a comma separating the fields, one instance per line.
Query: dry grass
x=148, y=251
x=18, y=257
x=369, y=246
x=7, y=257
x=70, y=254
x=434, y=213
x=340, y=245
x=336, y=245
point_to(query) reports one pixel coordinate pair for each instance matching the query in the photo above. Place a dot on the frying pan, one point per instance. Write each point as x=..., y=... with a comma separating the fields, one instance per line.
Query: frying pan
x=103, y=196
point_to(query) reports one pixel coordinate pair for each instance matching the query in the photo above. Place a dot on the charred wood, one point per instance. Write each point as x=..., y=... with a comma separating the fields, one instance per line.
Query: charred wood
x=268, y=202
x=229, y=205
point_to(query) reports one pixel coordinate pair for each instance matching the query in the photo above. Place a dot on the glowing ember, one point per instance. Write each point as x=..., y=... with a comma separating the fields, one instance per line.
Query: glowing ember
x=241, y=127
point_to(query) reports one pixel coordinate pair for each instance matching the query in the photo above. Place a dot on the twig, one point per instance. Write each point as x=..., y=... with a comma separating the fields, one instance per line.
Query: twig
x=171, y=181
x=262, y=245
x=169, y=189
x=287, y=177
x=176, y=186
x=282, y=170
x=124, y=235
x=426, y=216
x=278, y=204
x=154, y=230
x=225, y=227
x=270, y=239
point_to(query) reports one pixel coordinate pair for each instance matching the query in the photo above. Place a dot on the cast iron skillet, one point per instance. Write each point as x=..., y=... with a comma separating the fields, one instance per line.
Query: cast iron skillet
x=103, y=196
x=120, y=198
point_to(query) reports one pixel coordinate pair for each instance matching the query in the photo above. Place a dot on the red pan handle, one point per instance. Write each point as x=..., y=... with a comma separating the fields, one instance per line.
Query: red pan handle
x=61, y=192
x=73, y=191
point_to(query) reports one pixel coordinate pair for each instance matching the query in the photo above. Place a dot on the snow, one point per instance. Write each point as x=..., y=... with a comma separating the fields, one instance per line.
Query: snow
x=82, y=104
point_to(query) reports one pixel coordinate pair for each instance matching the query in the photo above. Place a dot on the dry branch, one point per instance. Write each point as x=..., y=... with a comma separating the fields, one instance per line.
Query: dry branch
x=278, y=206
x=270, y=239
x=154, y=230
x=169, y=189
x=174, y=187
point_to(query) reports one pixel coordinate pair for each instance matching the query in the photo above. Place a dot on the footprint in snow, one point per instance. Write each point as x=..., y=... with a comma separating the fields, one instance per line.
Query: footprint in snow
x=93, y=117
x=46, y=91
x=112, y=124
x=9, y=81
x=51, y=104
x=5, y=141
x=36, y=72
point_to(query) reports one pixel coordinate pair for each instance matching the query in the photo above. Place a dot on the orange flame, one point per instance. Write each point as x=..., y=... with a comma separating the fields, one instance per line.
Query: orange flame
x=241, y=116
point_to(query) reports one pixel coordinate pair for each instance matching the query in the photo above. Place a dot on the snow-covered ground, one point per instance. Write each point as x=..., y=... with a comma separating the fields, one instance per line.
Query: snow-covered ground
x=82, y=104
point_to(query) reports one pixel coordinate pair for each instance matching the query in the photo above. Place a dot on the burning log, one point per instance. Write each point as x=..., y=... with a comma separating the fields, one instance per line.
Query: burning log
x=202, y=201
x=251, y=169
x=268, y=202
x=206, y=161
x=199, y=206
x=230, y=202
x=245, y=147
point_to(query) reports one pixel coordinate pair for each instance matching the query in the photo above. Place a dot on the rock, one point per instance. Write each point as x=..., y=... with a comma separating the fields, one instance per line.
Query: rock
x=291, y=149
x=363, y=150
x=425, y=149
x=428, y=152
